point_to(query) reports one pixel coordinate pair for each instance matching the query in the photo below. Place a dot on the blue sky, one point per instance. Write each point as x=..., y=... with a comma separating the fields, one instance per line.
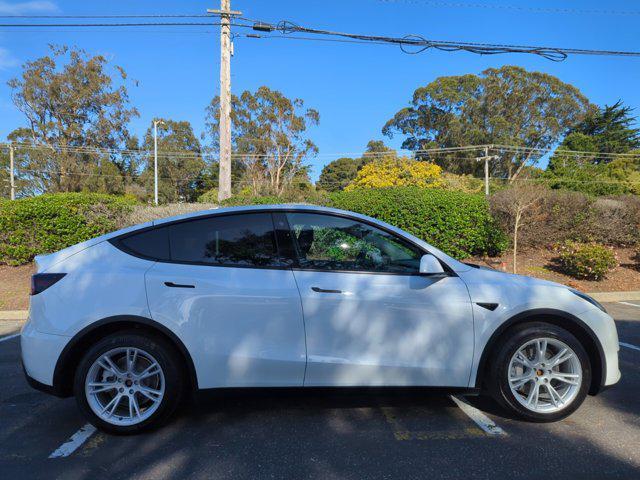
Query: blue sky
x=356, y=88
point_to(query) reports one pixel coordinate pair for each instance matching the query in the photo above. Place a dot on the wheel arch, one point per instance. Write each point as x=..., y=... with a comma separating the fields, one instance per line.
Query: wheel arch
x=71, y=354
x=559, y=318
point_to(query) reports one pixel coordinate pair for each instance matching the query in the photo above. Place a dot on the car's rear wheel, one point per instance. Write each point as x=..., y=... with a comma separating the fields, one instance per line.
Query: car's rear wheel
x=128, y=382
x=541, y=372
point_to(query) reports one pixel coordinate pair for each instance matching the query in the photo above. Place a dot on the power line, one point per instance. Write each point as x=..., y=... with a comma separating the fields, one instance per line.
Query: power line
x=427, y=151
x=411, y=44
x=294, y=37
x=107, y=16
x=488, y=6
x=420, y=43
x=516, y=7
x=101, y=25
x=214, y=182
x=562, y=151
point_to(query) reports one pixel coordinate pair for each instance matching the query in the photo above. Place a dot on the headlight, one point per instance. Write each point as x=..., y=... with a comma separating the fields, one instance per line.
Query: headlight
x=586, y=297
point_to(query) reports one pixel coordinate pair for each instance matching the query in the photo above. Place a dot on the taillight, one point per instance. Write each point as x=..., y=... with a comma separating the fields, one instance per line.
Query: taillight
x=41, y=281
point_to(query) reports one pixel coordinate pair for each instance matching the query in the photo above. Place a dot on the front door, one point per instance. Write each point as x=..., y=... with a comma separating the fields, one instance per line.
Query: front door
x=370, y=318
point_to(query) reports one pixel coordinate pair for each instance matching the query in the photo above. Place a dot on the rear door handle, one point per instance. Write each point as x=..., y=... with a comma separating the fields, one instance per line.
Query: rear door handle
x=178, y=285
x=324, y=290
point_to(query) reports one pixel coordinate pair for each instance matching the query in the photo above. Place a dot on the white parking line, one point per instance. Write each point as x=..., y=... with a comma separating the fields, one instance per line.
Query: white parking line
x=628, y=345
x=9, y=337
x=74, y=442
x=484, y=422
x=629, y=303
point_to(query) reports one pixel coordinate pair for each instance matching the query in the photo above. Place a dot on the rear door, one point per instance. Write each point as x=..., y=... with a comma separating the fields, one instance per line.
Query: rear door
x=370, y=318
x=232, y=299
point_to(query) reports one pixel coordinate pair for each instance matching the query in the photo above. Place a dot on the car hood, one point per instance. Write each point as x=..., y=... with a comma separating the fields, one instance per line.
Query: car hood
x=486, y=274
x=489, y=285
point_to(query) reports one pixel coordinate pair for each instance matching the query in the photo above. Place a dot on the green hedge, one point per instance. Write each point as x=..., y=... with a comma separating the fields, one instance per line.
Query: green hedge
x=458, y=223
x=47, y=223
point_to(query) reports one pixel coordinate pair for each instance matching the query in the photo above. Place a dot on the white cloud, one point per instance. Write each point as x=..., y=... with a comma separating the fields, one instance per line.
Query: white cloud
x=24, y=8
x=6, y=59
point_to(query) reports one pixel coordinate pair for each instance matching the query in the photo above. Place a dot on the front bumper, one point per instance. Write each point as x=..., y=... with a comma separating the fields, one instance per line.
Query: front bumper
x=604, y=328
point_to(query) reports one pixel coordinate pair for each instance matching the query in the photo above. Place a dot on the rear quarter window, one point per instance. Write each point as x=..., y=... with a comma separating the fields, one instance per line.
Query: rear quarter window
x=152, y=244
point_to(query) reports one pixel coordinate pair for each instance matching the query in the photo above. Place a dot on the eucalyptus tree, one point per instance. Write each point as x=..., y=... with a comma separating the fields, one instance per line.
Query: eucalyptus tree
x=504, y=106
x=73, y=104
x=269, y=136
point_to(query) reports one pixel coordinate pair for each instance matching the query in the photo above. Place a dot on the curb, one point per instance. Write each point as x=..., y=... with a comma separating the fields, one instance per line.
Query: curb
x=13, y=315
x=599, y=296
x=615, y=296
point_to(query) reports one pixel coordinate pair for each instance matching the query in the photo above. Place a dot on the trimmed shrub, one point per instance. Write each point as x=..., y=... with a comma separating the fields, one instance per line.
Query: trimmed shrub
x=47, y=223
x=587, y=260
x=237, y=200
x=616, y=220
x=147, y=213
x=456, y=222
x=210, y=196
x=311, y=197
x=462, y=183
x=575, y=216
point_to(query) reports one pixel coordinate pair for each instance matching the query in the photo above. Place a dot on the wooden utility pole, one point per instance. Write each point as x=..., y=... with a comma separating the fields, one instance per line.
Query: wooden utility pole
x=226, y=51
x=486, y=159
x=12, y=180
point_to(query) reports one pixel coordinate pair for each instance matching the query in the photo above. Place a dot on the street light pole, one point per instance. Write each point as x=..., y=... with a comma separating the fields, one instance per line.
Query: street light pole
x=13, y=185
x=155, y=158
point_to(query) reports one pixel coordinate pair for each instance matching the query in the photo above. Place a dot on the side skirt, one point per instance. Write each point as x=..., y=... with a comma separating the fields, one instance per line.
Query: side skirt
x=249, y=392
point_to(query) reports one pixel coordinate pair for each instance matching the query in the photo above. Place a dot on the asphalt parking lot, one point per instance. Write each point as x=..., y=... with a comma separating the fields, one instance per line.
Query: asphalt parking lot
x=328, y=435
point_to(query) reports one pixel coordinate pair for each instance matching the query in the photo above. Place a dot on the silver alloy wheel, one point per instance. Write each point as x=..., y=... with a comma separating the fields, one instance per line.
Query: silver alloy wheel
x=124, y=386
x=545, y=375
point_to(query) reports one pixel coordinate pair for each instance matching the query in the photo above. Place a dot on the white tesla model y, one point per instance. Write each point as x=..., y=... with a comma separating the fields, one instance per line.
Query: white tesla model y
x=299, y=296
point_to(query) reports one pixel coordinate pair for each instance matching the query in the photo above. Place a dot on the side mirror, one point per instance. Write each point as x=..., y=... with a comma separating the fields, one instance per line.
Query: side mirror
x=429, y=265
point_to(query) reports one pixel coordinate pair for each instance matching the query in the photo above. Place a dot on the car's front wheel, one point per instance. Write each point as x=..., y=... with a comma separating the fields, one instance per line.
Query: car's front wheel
x=128, y=382
x=541, y=372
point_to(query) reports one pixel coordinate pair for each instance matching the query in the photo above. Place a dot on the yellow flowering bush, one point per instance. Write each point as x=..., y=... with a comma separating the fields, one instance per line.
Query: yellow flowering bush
x=397, y=172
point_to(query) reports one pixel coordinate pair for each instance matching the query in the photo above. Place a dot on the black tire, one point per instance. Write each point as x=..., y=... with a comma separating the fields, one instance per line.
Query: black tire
x=510, y=342
x=166, y=356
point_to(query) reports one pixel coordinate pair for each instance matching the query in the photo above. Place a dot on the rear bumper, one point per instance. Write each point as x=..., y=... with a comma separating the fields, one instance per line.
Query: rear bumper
x=50, y=389
x=40, y=354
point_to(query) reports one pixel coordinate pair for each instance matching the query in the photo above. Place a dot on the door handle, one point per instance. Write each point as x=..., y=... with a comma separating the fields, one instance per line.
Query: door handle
x=324, y=290
x=178, y=285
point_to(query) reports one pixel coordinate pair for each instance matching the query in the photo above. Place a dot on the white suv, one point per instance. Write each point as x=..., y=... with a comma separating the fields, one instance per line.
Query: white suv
x=299, y=296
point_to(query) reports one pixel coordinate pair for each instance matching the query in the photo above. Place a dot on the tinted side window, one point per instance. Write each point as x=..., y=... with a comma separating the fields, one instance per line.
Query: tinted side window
x=152, y=244
x=240, y=240
x=334, y=243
